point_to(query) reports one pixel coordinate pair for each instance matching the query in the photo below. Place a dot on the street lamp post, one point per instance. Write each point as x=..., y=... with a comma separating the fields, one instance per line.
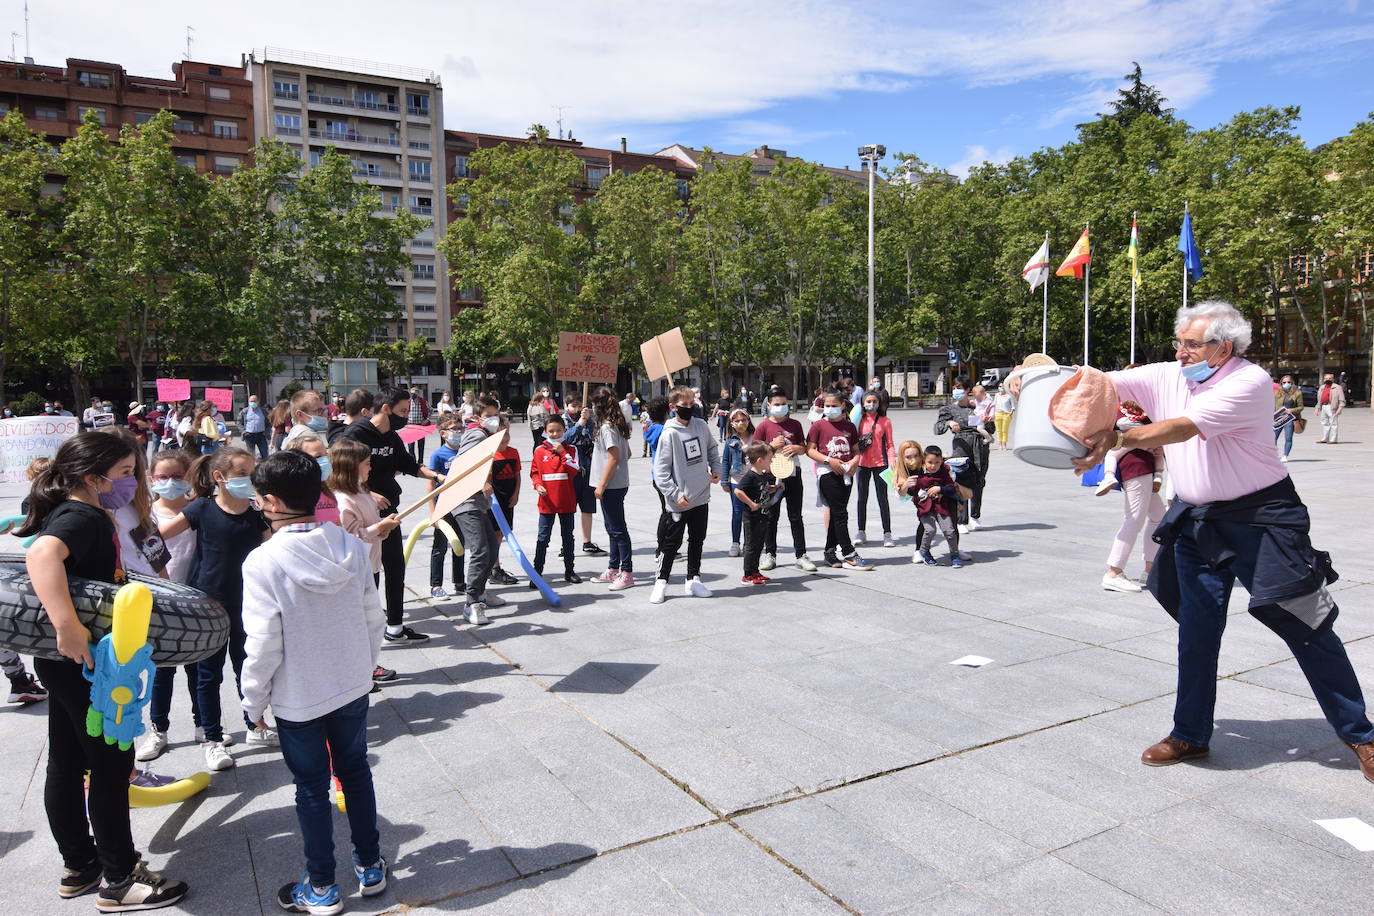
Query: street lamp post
x=871, y=154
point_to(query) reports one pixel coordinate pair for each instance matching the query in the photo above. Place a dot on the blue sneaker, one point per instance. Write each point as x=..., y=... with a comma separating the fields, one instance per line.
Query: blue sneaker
x=927, y=558
x=956, y=562
x=372, y=879
x=303, y=897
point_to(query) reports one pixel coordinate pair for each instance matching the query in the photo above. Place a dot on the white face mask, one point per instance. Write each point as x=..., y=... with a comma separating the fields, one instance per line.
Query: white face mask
x=491, y=424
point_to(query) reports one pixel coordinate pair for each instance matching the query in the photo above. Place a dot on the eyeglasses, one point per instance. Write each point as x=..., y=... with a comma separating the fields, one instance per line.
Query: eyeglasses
x=1192, y=346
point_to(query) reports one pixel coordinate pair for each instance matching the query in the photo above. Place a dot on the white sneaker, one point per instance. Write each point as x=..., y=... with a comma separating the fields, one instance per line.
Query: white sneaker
x=1283, y=458
x=200, y=737
x=916, y=557
x=1119, y=583
x=216, y=757
x=768, y=561
x=889, y=540
x=734, y=549
x=859, y=538
x=963, y=529
x=974, y=524
x=151, y=747
x=1107, y=485
x=805, y=564
x=491, y=600
x=660, y=591
x=476, y=614
x=263, y=736
x=697, y=589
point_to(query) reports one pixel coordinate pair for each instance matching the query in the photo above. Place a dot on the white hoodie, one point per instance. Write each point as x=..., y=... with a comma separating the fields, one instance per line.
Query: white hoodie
x=313, y=624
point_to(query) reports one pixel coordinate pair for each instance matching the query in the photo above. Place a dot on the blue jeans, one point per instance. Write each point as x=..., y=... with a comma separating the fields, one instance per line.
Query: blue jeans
x=160, y=707
x=256, y=441
x=617, y=532
x=736, y=513
x=336, y=740
x=1287, y=432
x=210, y=675
x=1203, y=597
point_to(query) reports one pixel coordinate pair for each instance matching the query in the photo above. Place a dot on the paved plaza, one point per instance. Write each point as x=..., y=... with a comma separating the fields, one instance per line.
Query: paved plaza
x=806, y=746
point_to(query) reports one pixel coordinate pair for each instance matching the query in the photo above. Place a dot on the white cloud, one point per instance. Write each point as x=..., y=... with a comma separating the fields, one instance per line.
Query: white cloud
x=627, y=67
x=975, y=156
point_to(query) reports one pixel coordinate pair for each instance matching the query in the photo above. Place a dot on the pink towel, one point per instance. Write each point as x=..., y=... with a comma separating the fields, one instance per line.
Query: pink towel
x=1084, y=405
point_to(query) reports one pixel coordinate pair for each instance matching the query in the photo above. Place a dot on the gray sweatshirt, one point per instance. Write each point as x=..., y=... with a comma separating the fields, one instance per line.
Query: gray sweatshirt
x=686, y=457
x=312, y=621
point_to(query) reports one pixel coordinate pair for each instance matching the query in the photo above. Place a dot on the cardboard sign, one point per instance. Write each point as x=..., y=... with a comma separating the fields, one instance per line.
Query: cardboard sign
x=23, y=439
x=174, y=389
x=414, y=433
x=588, y=357
x=664, y=355
x=222, y=398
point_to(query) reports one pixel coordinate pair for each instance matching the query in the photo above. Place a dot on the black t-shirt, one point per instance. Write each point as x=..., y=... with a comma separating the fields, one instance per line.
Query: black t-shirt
x=757, y=487
x=389, y=457
x=88, y=532
x=223, y=542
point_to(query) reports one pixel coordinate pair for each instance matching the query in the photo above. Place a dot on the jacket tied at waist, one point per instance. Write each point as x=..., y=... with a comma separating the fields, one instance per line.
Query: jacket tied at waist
x=1288, y=594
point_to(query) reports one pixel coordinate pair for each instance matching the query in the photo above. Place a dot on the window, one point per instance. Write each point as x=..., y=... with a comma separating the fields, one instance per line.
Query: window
x=1366, y=266
x=228, y=129
x=682, y=189
x=596, y=175
x=422, y=206
x=98, y=112
x=219, y=93
x=226, y=164
x=469, y=294
x=367, y=100
x=286, y=90
x=368, y=169
x=183, y=126
x=49, y=113
x=460, y=166
x=4, y=108
x=336, y=128
x=216, y=71
x=419, y=170
x=289, y=124
x=142, y=117
x=462, y=201
x=315, y=157
x=93, y=80
x=422, y=271
x=1299, y=271
x=188, y=160
x=417, y=103
x=428, y=330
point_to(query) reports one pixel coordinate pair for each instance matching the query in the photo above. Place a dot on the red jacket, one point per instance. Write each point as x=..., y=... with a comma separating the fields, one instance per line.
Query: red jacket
x=554, y=471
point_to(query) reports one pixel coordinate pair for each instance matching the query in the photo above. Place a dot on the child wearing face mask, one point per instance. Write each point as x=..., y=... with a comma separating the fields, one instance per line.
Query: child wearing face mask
x=505, y=484
x=686, y=464
x=552, y=469
x=450, y=436
x=227, y=529
x=784, y=434
x=832, y=443
x=473, y=516
x=877, y=452
x=312, y=445
x=69, y=511
x=740, y=432
x=933, y=489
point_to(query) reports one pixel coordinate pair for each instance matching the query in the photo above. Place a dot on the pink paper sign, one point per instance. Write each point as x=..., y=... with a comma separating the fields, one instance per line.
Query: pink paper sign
x=174, y=389
x=411, y=434
x=222, y=398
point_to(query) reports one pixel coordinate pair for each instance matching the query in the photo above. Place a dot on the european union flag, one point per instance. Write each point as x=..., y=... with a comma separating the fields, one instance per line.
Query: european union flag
x=1192, y=258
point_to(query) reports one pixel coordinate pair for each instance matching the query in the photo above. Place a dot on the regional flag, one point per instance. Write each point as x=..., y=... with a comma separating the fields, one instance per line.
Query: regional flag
x=1078, y=258
x=1133, y=253
x=1037, y=269
x=1192, y=258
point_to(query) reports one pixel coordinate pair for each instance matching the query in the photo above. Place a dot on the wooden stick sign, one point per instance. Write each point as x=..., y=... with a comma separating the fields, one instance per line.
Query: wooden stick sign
x=467, y=475
x=665, y=354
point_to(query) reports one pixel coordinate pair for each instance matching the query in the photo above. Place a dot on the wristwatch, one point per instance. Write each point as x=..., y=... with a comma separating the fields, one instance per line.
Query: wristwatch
x=1120, y=439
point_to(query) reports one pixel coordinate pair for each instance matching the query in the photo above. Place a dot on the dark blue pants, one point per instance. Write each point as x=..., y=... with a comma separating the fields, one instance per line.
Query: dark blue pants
x=160, y=706
x=256, y=441
x=210, y=675
x=617, y=532
x=336, y=740
x=1203, y=597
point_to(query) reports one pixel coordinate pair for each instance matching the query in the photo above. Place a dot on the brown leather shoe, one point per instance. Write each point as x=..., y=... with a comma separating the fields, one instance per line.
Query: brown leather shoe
x=1171, y=751
x=1365, y=753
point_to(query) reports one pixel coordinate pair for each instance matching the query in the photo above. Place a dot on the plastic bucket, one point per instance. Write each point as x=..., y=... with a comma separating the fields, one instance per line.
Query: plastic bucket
x=1034, y=439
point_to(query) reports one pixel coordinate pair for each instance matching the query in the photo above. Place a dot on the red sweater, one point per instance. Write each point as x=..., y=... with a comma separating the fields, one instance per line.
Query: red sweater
x=554, y=471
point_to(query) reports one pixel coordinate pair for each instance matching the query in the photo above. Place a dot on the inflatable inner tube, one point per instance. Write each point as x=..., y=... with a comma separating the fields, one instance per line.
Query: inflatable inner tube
x=187, y=625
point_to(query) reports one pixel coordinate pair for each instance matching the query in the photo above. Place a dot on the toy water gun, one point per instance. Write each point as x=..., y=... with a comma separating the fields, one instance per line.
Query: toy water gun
x=123, y=675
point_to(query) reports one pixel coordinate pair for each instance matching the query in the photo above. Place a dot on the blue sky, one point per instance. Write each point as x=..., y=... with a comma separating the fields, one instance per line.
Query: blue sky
x=953, y=81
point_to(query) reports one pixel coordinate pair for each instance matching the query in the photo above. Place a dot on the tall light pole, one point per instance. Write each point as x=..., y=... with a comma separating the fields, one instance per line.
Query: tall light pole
x=871, y=154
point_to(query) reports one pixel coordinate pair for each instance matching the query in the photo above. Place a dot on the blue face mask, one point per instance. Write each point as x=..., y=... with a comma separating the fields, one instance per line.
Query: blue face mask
x=323, y=462
x=834, y=413
x=452, y=441
x=957, y=394
x=171, y=489
x=239, y=487
x=1198, y=372
x=553, y=439
x=1287, y=385
x=871, y=408
x=318, y=424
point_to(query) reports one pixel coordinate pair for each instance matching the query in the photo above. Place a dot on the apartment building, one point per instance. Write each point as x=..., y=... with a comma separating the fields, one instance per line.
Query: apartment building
x=389, y=120
x=213, y=104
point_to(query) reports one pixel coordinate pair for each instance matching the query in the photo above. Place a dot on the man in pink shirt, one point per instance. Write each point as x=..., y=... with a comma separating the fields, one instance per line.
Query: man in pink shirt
x=1237, y=516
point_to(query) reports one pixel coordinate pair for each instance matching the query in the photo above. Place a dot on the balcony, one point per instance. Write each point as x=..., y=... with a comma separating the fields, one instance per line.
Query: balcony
x=49, y=114
x=422, y=211
x=286, y=96
x=378, y=174
x=288, y=131
x=417, y=112
x=361, y=104
x=417, y=178
x=352, y=136
x=418, y=144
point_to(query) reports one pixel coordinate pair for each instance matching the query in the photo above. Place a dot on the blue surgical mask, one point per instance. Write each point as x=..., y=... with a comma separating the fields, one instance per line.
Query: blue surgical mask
x=834, y=413
x=323, y=462
x=171, y=489
x=453, y=439
x=554, y=439
x=871, y=408
x=318, y=424
x=778, y=410
x=957, y=394
x=239, y=487
x=1198, y=372
x=1287, y=385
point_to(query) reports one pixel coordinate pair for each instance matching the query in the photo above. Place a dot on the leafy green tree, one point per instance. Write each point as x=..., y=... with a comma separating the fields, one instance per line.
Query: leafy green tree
x=1138, y=98
x=474, y=341
x=399, y=357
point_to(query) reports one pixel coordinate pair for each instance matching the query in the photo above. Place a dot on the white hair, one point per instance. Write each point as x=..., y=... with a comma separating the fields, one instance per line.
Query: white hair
x=1225, y=323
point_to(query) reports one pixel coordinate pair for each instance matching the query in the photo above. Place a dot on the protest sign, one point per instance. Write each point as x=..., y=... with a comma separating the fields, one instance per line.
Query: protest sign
x=664, y=355
x=222, y=398
x=588, y=357
x=414, y=433
x=174, y=389
x=23, y=439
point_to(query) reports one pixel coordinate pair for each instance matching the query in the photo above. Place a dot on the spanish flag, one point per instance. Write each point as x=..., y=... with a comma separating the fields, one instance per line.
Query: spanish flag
x=1078, y=257
x=1133, y=253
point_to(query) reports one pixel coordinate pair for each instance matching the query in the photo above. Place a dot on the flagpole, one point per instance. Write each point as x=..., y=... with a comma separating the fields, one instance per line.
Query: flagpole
x=1087, y=273
x=1185, y=263
x=1045, y=313
x=1134, y=262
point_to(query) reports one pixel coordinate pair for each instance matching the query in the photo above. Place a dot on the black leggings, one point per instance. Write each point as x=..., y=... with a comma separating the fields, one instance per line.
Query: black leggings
x=394, y=565
x=835, y=493
x=72, y=812
x=865, y=476
x=792, y=495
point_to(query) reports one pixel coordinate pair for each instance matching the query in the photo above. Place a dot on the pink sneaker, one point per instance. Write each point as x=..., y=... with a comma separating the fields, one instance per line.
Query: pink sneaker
x=608, y=576
x=622, y=582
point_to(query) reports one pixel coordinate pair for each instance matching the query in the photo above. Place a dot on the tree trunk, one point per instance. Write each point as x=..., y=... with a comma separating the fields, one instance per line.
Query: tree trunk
x=81, y=394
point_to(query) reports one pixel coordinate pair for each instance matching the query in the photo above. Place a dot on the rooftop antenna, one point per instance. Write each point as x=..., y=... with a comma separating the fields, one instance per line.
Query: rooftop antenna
x=189, y=40
x=27, y=55
x=560, y=109
x=13, y=36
